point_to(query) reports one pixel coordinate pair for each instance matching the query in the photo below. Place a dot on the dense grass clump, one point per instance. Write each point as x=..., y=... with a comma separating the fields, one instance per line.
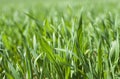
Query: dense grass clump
x=59, y=39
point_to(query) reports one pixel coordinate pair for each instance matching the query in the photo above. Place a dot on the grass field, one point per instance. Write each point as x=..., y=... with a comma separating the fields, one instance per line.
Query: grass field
x=52, y=39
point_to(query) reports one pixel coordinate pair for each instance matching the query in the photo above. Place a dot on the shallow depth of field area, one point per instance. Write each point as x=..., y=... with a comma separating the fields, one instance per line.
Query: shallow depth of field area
x=59, y=39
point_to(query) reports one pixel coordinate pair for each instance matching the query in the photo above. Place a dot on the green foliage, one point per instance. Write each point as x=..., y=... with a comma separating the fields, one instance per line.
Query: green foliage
x=60, y=41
